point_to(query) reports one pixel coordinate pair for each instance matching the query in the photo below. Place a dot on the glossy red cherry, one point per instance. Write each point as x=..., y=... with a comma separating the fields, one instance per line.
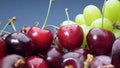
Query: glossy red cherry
x=13, y=61
x=42, y=38
x=100, y=41
x=70, y=36
x=19, y=43
x=36, y=62
x=2, y=48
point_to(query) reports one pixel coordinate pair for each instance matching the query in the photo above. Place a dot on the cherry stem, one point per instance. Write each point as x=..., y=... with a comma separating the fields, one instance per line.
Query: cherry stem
x=19, y=63
x=103, y=13
x=0, y=22
x=66, y=11
x=36, y=23
x=48, y=12
x=5, y=32
x=88, y=60
x=10, y=22
x=53, y=26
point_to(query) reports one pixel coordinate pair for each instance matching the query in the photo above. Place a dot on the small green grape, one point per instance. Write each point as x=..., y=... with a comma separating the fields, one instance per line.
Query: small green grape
x=66, y=22
x=86, y=29
x=91, y=12
x=107, y=24
x=79, y=19
x=116, y=32
x=112, y=10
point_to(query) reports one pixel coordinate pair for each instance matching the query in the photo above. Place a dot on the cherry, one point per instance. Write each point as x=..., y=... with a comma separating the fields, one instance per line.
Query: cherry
x=36, y=62
x=73, y=60
x=2, y=48
x=19, y=43
x=13, y=61
x=82, y=51
x=70, y=36
x=41, y=37
x=101, y=61
x=100, y=41
x=53, y=57
x=116, y=53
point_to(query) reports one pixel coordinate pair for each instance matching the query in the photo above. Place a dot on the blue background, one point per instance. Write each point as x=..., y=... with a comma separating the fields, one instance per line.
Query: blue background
x=30, y=11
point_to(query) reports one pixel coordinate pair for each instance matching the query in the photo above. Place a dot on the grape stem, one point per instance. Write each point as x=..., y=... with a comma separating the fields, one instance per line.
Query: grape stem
x=48, y=12
x=103, y=13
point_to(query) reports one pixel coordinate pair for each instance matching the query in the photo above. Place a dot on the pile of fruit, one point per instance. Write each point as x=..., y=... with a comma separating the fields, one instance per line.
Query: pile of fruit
x=92, y=41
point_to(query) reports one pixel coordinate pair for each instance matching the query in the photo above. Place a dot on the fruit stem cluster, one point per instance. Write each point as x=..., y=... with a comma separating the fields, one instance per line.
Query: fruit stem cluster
x=10, y=22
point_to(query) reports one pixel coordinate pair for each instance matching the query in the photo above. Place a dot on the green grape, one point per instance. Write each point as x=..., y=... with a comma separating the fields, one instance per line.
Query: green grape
x=112, y=10
x=91, y=12
x=116, y=32
x=67, y=22
x=79, y=19
x=107, y=24
x=86, y=29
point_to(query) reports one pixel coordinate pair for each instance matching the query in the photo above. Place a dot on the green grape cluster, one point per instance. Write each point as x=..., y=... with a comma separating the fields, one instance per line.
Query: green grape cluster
x=106, y=18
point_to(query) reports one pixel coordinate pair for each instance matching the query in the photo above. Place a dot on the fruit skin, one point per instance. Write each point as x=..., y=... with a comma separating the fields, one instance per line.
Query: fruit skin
x=2, y=48
x=70, y=36
x=79, y=19
x=82, y=51
x=36, y=62
x=19, y=43
x=42, y=38
x=13, y=61
x=73, y=60
x=91, y=12
x=106, y=24
x=85, y=31
x=67, y=22
x=100, y=61
x=53, y=57
x=112, y=9
x=116, y=53
x=100, y=41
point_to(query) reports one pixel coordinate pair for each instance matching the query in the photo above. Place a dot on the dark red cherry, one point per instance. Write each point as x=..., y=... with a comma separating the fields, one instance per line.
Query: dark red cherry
x=101, y=61
x=42, y=38
x=36, y=62
x=116, y=53
x=53, y=57
x=13, y=61
x=70, y=36
x=2, y=48
x=19, y=43
x=100, y=41
x=73, y=60
x=82, y=51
